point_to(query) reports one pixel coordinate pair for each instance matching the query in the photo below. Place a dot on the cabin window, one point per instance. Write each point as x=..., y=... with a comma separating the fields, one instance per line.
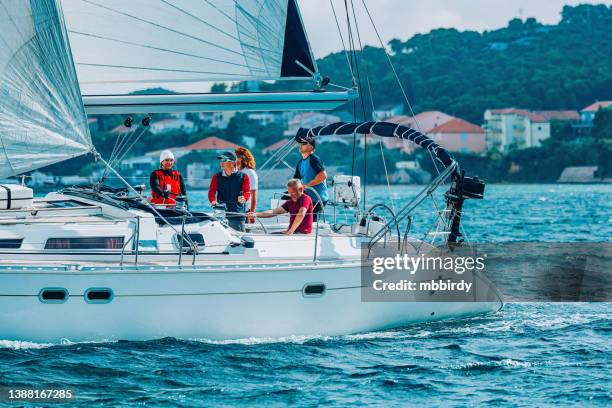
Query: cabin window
x=85, y=243
x=53, y=295
x=98, y=295
x=10, y=243
x=313, y=289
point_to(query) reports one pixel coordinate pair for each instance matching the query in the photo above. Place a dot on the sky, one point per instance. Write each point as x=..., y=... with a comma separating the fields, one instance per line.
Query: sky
x=404, y=18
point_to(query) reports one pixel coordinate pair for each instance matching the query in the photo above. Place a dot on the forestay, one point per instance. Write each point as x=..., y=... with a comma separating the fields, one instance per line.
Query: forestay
x=165, y=41
x=42, y=120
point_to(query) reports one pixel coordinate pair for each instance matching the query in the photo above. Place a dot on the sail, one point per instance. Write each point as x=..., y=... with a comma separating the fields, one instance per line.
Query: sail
x=42, y=120
x=166, y=41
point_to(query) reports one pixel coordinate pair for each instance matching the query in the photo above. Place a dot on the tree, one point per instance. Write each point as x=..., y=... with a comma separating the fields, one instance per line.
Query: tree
x=602, y=124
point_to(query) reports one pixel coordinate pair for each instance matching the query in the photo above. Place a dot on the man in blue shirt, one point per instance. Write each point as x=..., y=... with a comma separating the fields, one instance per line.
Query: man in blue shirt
x=311, y=171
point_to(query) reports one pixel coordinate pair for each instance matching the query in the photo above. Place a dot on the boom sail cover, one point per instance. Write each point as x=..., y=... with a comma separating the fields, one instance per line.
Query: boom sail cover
x=42, y=120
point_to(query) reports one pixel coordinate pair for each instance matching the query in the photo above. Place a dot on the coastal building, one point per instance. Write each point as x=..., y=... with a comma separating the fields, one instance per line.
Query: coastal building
x=213, y=143
x=309, y=120
x=386, y=111
x=423, y=122
x=458, y=135
x=588, y=113
x=275, y=146
x=199, y=175
x=217, y=120
x=511, y=129
x=170, y=125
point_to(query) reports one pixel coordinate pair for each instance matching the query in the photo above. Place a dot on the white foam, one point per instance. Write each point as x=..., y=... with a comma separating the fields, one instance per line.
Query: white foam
x=23, y=345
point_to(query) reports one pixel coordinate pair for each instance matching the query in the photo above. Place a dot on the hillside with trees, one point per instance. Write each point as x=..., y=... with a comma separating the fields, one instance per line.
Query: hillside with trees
x=526, y=64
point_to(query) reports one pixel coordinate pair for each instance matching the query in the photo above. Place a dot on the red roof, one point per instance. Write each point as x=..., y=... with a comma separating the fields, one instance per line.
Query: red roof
x=559, y=115
x=457, y=126
x=275, y=146
x=211, y=143
x=595, y=107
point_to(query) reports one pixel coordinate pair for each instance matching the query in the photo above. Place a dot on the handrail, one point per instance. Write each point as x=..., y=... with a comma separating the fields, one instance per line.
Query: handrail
x=416, y=201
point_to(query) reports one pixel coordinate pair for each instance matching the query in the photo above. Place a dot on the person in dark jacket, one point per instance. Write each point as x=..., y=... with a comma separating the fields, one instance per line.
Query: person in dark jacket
x=232, y=188
x=166, y=183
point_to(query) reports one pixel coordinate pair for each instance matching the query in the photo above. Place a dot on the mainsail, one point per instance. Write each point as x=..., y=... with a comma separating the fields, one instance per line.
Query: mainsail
x=42, y=120
x=161, y=41
x=120, y=47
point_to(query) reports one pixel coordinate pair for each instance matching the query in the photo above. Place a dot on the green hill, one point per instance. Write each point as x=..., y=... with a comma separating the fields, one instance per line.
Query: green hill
x=526, y=64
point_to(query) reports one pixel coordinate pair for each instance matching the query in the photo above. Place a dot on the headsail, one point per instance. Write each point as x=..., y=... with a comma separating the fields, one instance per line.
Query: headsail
x=42, y=120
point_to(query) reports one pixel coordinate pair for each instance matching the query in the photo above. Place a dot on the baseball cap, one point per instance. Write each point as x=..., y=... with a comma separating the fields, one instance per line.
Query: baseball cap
x=227, y=156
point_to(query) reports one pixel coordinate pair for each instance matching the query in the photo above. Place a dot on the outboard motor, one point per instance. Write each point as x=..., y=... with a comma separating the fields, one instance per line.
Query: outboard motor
x=461, y=188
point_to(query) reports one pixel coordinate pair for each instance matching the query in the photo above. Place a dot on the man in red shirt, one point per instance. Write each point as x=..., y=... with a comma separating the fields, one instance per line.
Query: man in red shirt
x=299, y=207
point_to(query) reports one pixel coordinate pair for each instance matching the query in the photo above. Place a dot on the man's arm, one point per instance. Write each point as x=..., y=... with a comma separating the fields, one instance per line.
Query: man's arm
x=268, y=213
x=212, y=190
x=318, y=179
x=299, y=217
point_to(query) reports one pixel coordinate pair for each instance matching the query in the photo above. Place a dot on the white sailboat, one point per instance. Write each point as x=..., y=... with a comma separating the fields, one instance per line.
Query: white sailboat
x=94, y=263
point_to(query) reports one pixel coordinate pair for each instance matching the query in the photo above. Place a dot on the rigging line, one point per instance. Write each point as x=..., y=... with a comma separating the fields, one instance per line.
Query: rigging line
x=399, y=82
x=157, y=69
x=213, y=27
x=247, y=34
x=156, y=48
x=161, y=26
x=254, y=20
x=361, y=98
x=367, y=78
x=200, y=20
x=331, y=2
x=124, y=142
x=143, y=130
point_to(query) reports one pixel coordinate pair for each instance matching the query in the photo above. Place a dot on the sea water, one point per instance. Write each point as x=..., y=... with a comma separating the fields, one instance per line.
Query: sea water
x=529, y=354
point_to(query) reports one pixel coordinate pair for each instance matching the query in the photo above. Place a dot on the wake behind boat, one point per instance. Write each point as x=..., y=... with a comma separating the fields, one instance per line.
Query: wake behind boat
x=100, y=263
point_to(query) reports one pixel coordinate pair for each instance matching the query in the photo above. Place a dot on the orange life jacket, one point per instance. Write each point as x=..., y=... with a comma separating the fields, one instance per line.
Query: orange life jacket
x=173, y=180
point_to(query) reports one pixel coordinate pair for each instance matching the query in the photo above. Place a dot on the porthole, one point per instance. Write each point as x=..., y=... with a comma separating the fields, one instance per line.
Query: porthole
x=98, y=295
x=313, y=289
x=53, y=295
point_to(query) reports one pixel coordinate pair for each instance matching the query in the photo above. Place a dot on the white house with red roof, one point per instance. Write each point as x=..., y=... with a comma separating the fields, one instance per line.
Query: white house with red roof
x=588, y=114
x=511, y=128
x=458, y=135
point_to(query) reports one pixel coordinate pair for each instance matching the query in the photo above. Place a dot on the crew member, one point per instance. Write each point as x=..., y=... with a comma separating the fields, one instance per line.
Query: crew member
x=166, y=183
x=311, y=171
x=246, y=164
x=299, y=207
x=232, y=188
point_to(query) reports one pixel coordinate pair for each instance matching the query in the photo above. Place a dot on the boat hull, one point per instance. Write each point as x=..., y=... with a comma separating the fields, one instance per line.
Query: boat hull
x=218, y=303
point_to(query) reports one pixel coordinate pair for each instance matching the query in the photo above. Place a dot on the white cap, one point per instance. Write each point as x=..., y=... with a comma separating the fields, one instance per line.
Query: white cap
x=166, y=154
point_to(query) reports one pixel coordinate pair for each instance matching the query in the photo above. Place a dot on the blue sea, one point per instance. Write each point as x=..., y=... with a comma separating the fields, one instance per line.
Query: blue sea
x=529, y=354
